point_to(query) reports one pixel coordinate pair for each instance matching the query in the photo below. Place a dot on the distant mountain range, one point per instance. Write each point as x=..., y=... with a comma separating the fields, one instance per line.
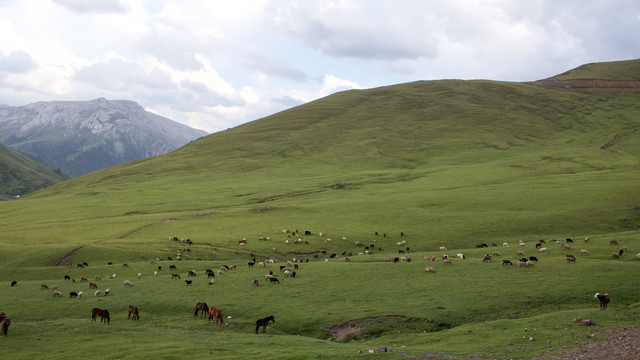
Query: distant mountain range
x=78, y=137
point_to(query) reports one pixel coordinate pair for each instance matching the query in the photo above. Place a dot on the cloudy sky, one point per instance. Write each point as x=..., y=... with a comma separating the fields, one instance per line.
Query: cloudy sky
x=215, y=64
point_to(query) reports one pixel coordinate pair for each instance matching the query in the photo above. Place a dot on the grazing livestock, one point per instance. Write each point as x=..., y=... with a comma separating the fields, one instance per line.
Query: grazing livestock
x=487, y=257
x=133, y=310
x=638, y=256
x=584, y=252
x=43, y=286
x=274, y=280
x=188, y=282
x=97, y=293
x=604, y=300
x=211, y=282
x=67, y=277
x=4, y=325
x=571, y=258
x=57, y=294
x=613, y=242
x=217, y=314
x=210, y=273
x=264, y=322
x=80, y=294
x=127, y=283
x=172, y=267
x=93, y=285
x=521, y=264
x=252, y=262
x=544, y=249
x=255, y=282
x=191, y=273
x=106, y=292
x=505, y=262
x=14, y=283
x=73, y=294
x=174, y=276
x=83, y=279
x=202, y=307
x=446, y=261
x=429, y=269
x=442, y=248
x=533, y=258
x=104, y=315
x=615, y=255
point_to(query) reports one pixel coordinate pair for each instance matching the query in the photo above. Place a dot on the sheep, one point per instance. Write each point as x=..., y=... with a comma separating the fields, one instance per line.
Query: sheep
x=586, y=239
x=520, y=253
x=544, y=249
x=54, y=287
x=615, y=255
x=522, y=244
x=155, y=273
x=97, y=293
x=175, y=276
x=487, y=257
x=533, y=258
x=127, y=283
x=191, y=273
x=571, y=258
x=495, y=253
x=106, y=292
x=429, y=269
x=79, y=294
x=255, y=282
x=638, y=256
x=220, y=272
x=528, y=263
x=139, y=275
x=93, y=285
x=188, y=282
x=521, y=264
x=505, y=262
x=44, y=286
x=446, y=261
x=57, y=293
x=73, y=294
x=613, y=242
x=97, y=277
x=460, y=256
x=442, y=248
x=505, y=244
x=14, y=283
x=584, y=252
x=604, y=300
x=212, y=281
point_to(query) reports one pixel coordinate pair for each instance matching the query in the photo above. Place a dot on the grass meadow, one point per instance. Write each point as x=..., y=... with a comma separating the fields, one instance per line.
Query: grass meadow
x=448, y=163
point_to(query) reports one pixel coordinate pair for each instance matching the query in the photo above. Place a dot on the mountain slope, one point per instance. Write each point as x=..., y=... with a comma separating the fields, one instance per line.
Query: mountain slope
x=20, y=175
x=80, y=137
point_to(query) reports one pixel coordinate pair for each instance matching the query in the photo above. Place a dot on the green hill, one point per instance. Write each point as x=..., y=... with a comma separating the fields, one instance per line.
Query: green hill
x=371, y=175
x=21, y=175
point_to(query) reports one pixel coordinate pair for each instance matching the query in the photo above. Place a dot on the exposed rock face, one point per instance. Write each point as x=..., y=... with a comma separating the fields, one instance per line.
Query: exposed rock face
x=79, y=137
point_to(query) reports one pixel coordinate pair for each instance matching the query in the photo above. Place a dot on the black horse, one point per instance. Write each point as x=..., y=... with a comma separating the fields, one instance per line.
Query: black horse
x=202, y=307
x=264, y=322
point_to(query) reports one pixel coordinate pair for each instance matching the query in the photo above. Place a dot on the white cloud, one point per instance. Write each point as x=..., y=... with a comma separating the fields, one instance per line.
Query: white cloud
x=215, y=64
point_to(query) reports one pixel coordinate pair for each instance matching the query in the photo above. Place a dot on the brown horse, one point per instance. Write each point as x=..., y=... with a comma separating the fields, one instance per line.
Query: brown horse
x=215, y=313
x=4, y=325
x=133, y=310
x=264, y=322
x=104, y=315
x=202, y=307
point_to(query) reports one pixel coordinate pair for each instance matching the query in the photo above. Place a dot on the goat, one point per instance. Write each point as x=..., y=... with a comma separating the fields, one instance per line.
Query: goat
x=604, y=300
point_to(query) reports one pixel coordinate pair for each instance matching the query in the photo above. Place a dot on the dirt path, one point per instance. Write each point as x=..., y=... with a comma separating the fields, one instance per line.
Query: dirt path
x=621, y=344
x=64, y=259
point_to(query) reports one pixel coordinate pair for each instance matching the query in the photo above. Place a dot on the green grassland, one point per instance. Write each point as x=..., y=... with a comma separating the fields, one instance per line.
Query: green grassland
x=446, y=163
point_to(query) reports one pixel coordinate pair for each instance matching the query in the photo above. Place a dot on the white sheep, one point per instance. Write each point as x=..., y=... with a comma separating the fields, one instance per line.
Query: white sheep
x=505, y=244
x=429, y=269
x=584, y=252
x=80, y=294
x=211, y=282
x=442, y=248
x=139, y=275
x=638, y=256
x=155, y=273
x=57, y=293
x=106, y=292
x=460, y=256
x=268, y=276
x=522, y=243
x=544, y=249
x=127, y=283
x=97, y=293
x=220, y=272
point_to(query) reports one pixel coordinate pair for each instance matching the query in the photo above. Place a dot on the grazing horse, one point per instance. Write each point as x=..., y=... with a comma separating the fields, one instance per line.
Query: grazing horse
x=215, y=313
x=133, y=310
x=203, y=307
x=104, y=315
x=4, y=325
x=264, y=322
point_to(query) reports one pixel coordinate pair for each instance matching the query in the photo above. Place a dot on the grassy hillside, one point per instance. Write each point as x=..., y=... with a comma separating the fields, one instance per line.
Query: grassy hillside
x=616, y=70
x=21, y=175
x=438, y=163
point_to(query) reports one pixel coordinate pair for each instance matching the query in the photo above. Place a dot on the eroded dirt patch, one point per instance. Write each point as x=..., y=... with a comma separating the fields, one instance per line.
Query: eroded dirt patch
x=371, y=327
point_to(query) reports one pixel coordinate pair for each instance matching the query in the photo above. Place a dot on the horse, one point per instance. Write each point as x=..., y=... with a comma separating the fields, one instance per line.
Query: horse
x=203, y=307
x=133, y=310
x=215, y=312
x=4, y=324
x=104, y=314
x=264, y=322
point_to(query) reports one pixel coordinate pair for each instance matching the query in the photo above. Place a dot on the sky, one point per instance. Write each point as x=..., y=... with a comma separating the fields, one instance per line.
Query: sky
x=216, y=64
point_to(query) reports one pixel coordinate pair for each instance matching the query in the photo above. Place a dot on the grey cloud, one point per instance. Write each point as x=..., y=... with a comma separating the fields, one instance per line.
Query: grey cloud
x=119, y=75
x=93, y=6
x=287, y=101
x=17, y=62
x=275, y=67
